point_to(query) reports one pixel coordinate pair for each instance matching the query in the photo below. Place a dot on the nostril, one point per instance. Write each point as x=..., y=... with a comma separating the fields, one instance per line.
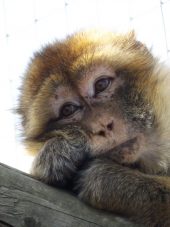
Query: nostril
x=101, y=133
x=110, y=126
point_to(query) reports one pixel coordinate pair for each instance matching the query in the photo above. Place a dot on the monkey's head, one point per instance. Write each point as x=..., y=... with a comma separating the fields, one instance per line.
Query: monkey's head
x=100, y=81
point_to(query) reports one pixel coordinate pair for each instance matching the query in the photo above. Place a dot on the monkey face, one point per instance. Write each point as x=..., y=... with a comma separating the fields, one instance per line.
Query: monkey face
x=89, y=103
x=99, y=82
x=95, y=100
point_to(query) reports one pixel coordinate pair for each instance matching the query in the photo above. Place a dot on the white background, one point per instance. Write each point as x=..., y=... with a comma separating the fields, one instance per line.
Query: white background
x=25, y=25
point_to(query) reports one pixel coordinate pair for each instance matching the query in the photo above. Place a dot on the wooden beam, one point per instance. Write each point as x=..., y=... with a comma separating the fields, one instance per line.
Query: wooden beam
x=26, y=202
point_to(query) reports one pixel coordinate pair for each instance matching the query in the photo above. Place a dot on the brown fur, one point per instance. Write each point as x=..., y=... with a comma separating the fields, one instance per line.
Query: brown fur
x=130, y=183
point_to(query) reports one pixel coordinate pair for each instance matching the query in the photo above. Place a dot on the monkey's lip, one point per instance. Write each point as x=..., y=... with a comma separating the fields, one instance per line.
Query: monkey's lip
x=125, y=144
x=130, y=143
x=126, y=152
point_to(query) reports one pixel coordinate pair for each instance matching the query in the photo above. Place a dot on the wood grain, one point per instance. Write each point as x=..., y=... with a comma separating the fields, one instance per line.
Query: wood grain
x=26, y=202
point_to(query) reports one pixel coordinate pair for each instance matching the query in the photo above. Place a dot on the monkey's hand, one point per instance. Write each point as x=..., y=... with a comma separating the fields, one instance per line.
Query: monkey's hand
x=109, y=186
x=61, y=156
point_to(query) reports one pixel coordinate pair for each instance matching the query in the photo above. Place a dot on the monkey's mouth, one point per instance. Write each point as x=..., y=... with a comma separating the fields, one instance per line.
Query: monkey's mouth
x=126, y=152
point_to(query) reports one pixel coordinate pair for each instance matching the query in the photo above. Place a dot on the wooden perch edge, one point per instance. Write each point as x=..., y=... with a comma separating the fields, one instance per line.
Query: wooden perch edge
x=26, y=202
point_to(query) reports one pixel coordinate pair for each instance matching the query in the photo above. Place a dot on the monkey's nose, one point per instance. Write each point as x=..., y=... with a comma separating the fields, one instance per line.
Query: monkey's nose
x=106, y=129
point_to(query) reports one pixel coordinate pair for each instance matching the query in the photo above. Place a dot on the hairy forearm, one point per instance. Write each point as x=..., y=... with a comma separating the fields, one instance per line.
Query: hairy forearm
x=144, y=198
x=60, y=157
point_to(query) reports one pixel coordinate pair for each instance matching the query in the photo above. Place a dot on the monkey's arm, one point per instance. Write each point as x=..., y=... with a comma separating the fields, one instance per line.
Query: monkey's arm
x=62, y=154
x=110, y=186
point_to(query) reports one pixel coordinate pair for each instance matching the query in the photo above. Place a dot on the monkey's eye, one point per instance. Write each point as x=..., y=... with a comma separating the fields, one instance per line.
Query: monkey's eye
x=68, y=109
x=102, y=84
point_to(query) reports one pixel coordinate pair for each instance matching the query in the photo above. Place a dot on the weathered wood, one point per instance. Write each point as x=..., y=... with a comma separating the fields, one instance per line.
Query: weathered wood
x=26, y=202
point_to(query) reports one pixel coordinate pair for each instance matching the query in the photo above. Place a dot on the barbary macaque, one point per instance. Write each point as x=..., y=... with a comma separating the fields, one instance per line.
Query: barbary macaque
x=95, y=111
